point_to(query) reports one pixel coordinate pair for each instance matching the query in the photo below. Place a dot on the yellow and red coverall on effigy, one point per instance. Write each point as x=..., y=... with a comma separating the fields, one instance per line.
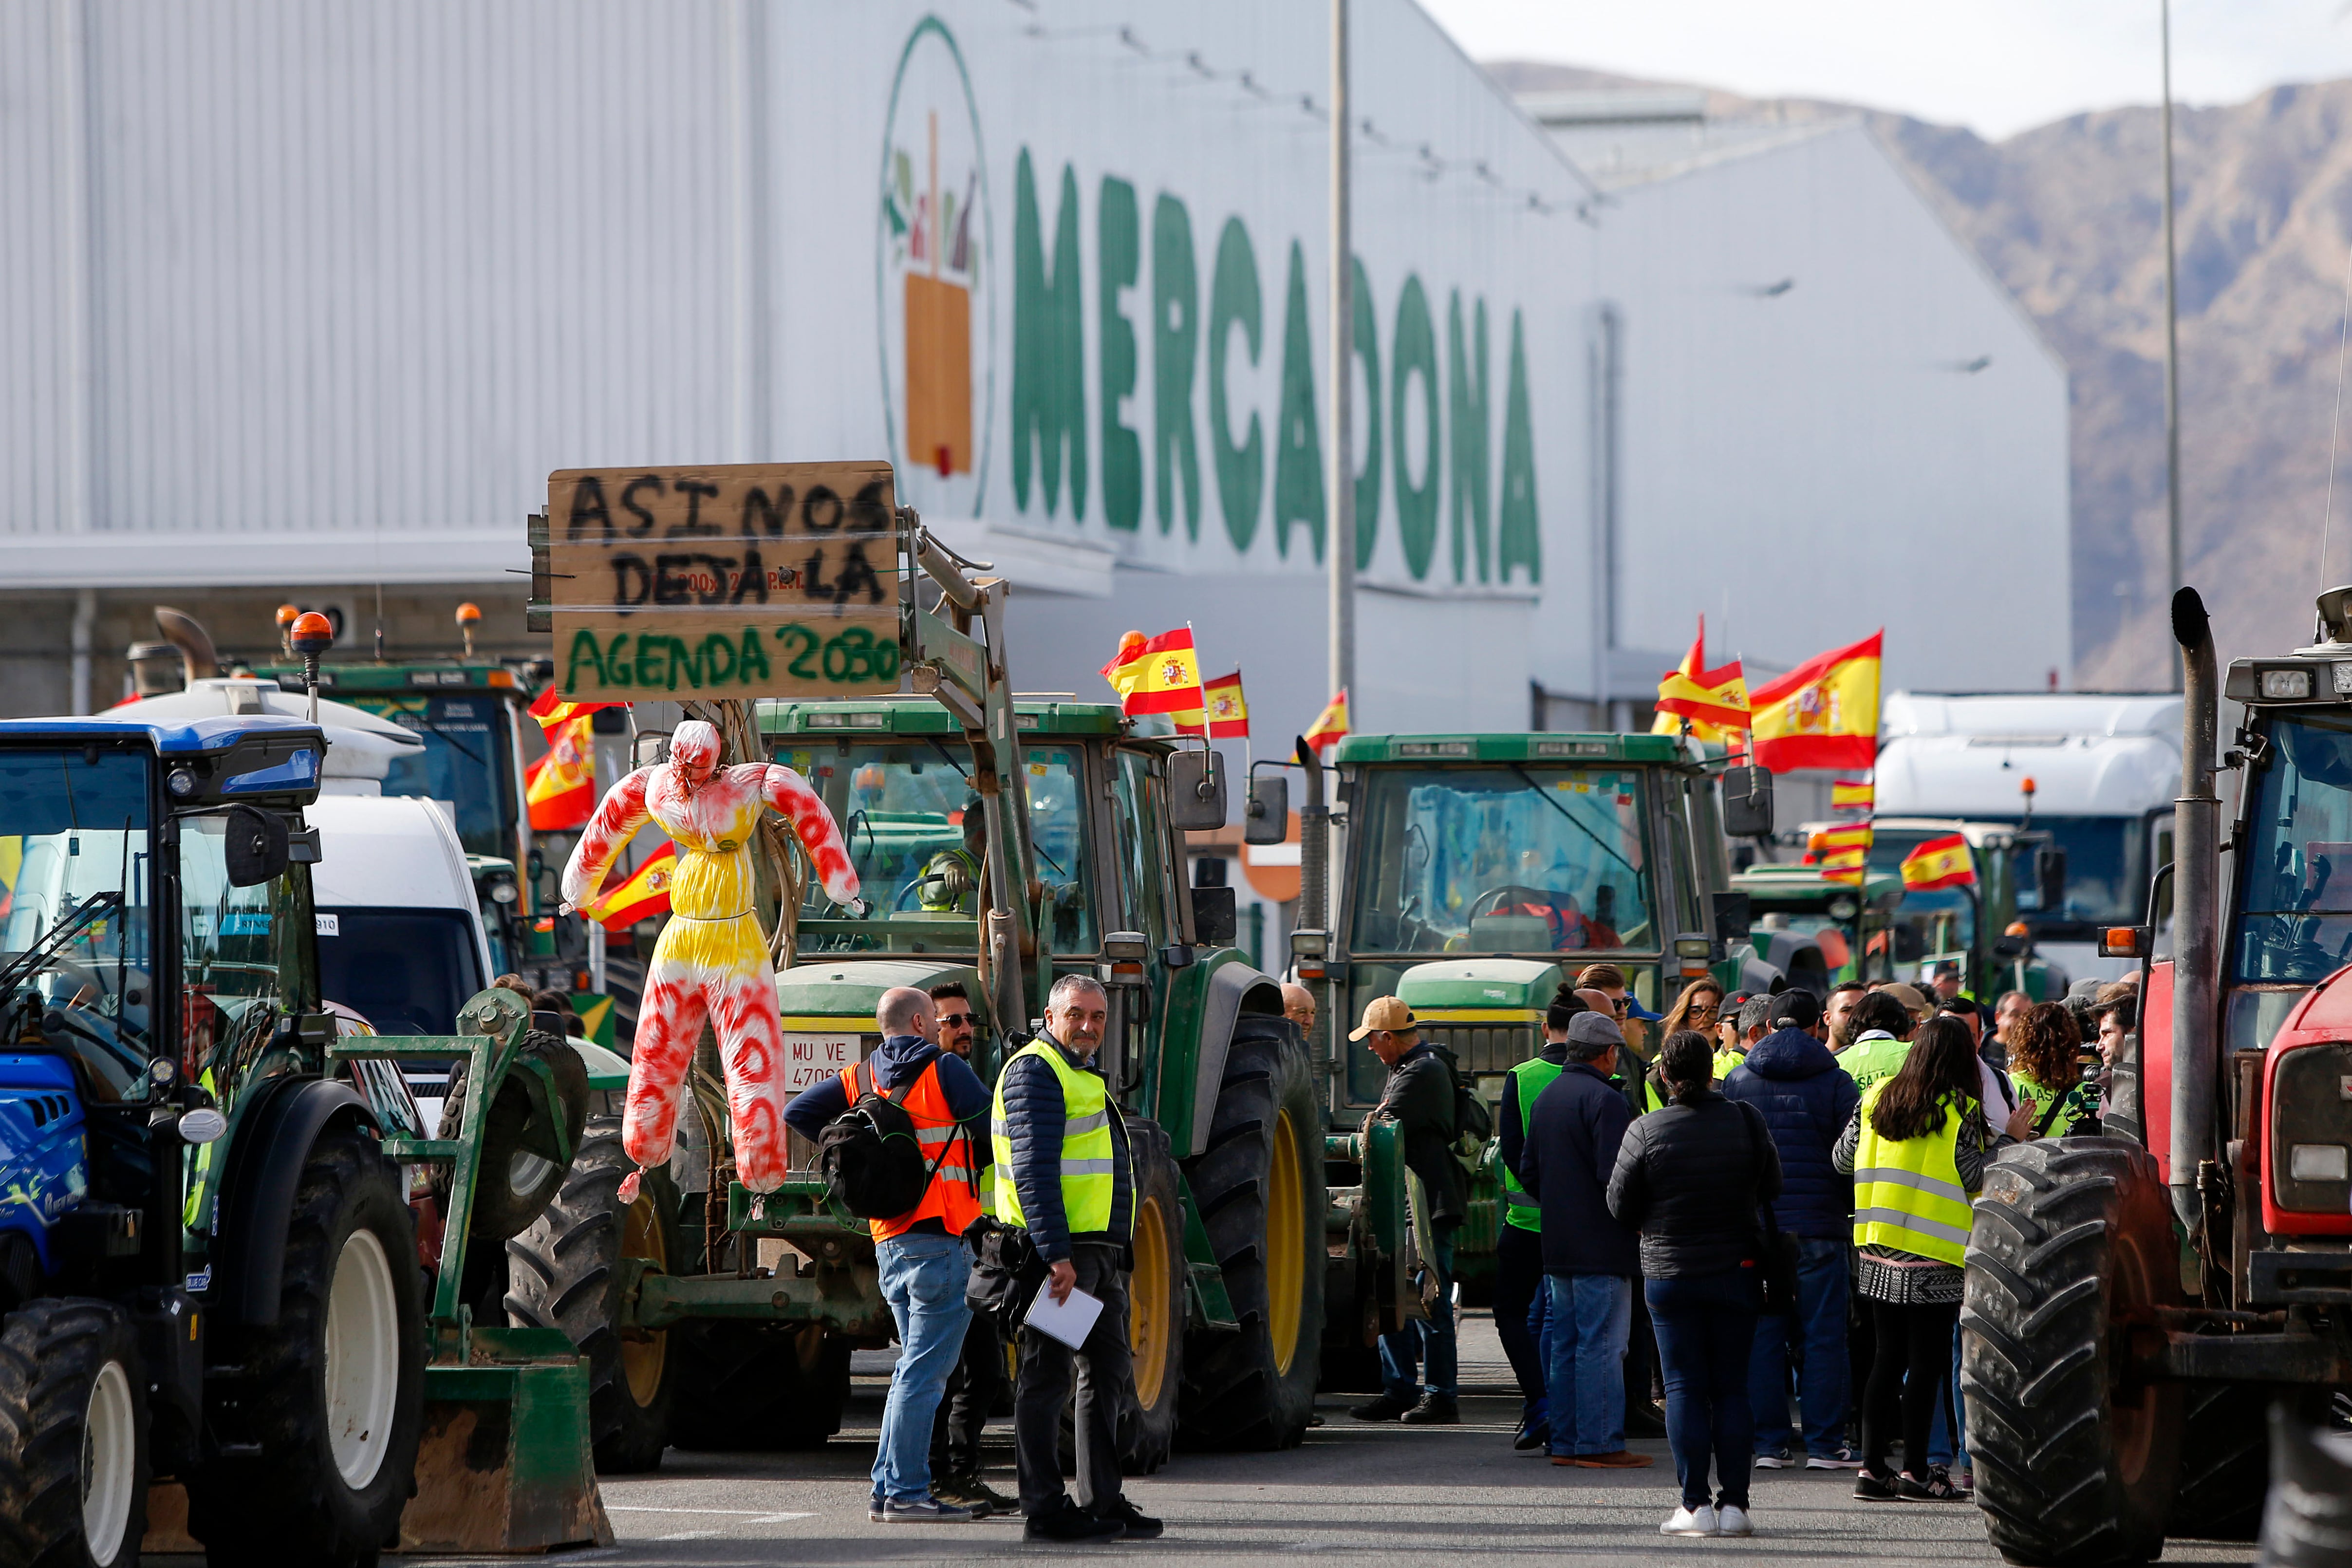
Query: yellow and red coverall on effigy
x=711, y=962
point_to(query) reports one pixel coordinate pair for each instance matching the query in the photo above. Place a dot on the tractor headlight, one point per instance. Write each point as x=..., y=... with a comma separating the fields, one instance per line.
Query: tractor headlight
x=2319, y=1163
x=2286, y=685
x=182, y=782
x=504, y=890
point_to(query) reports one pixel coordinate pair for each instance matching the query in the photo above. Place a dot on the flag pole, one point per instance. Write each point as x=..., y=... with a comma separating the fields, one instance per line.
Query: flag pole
x=1340, y=503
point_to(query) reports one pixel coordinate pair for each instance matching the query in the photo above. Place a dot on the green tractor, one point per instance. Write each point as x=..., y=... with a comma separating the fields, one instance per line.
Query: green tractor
x=1975, y=926
x=1819, y=932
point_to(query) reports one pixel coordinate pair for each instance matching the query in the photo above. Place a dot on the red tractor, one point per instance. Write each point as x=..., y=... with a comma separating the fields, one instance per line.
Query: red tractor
x=2135, y=1301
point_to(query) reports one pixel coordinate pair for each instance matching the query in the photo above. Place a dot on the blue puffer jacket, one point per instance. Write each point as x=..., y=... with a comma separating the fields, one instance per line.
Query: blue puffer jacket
x=1807, y=1100
x=1035, y=1115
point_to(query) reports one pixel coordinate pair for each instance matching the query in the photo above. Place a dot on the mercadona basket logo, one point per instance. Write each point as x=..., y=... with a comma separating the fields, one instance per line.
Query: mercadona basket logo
x=936, y=275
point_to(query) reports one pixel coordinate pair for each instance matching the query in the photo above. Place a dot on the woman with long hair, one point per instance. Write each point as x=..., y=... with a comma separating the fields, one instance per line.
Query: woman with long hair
x=1690, y=1177
x=1917, y=1150
x=2045, y=1063
x=1698, y=1006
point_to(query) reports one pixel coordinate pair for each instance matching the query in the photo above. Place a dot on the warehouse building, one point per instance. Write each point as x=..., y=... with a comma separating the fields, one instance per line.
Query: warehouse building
x=304, y=303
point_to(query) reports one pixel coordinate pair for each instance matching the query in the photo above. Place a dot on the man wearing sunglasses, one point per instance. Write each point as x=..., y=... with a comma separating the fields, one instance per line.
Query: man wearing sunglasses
x=978, y=1373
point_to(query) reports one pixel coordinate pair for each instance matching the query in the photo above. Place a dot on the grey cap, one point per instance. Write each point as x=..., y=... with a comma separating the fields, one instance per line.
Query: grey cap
x=2089, y=988
x=1594, y=1029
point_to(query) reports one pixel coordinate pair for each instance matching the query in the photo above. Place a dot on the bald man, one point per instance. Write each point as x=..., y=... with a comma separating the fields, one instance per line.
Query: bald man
x=1298, y=1006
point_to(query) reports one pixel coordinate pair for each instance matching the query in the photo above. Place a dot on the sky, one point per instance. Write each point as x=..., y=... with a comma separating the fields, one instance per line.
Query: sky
x=1996, y=66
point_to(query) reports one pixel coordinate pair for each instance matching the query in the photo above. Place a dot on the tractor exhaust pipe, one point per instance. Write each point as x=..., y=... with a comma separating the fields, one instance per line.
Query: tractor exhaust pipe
x=2196, y=917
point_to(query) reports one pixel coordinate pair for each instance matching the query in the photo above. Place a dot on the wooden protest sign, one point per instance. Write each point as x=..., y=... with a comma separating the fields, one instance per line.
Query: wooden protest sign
x=745, y=580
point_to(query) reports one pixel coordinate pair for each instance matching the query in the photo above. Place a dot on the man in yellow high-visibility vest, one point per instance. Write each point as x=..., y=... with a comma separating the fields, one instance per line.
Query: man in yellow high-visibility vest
x=1063, y=1175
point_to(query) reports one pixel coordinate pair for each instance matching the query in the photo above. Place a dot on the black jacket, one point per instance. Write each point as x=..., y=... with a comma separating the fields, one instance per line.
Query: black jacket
x=1807, y=1100
x=1035, y=1115
x=1419, y=1099
x=1690, y=1178
x=1571, y=1146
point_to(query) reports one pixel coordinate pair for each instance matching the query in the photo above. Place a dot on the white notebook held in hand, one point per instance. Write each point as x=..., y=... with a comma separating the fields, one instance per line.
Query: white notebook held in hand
x=1070, y=1321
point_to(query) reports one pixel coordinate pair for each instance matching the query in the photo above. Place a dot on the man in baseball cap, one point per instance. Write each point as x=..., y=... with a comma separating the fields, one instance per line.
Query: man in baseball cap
x=1418, y=1098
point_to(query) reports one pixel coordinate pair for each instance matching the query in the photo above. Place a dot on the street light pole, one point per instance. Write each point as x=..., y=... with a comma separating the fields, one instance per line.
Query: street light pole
x=2171, y=356
x=1340, y=502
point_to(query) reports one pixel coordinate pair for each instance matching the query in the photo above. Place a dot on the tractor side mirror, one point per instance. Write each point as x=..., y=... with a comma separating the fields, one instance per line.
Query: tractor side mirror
x=2050, y=878
x=2007, y=948
x=1266, y=820
x=1214, y=917
x=1732, y=921
x=1746, y=803
x=255, y=847
x=1196, y=792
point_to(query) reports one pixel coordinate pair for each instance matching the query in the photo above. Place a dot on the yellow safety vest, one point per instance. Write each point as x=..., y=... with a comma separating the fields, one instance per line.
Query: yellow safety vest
x=1908, y=1195
x=1869, y=1062
x=1528, y=1080
x=1089, y=1161
x=1726, y=1061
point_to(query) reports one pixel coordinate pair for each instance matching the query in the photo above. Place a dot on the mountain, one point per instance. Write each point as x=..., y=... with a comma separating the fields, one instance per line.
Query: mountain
x=2069, y=216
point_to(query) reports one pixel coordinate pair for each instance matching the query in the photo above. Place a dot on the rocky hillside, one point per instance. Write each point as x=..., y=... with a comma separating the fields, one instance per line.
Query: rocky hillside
x=2068, y=215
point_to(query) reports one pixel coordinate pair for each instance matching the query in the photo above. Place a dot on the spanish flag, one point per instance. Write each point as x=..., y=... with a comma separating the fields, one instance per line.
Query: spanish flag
x=1939, y=863
x=1840, y=840
x=562, y=785
x=550, y=710
x=1851, y=795
x=1714, y=700
x=1847, y=866
x=1224, y=716
x=1156, y=675
x=644, y=892
x=1330, y=724
x=1821, y=714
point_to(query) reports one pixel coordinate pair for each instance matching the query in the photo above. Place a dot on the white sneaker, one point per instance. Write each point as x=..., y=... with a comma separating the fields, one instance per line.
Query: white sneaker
x=1699, y=1521
x=1732, y=1520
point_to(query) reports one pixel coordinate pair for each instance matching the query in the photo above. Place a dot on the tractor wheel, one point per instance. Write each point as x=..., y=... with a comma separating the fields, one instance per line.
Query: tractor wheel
x=514, y=1183
x=2225, y=1456
x=323, y=1412
x=564, y=1272
x=2072, y=1246
x=1259, y=1185
x=751, y=1387
x=1156, y=1313
x=73, y=1436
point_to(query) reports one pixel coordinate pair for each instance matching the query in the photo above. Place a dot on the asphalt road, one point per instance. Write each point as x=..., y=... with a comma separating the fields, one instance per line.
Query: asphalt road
x=1352, y=1493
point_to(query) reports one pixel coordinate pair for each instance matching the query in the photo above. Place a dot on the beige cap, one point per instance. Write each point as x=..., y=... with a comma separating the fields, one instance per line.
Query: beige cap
x=1913, y=1002
x=1384, y=1012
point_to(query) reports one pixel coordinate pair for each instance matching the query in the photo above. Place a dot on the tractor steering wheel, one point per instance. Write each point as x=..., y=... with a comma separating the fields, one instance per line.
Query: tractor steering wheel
x=1494, y=899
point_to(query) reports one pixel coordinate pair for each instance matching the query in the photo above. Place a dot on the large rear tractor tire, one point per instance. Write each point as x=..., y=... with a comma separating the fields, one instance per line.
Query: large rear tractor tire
x=2225, y=1459
x=1259, y=1184
x=73, y=1436
x=751, y=1387
x=2072, y=1245
x=517, y=1180
x=566, y=1272
x=319, y=1423
x=1156, y=1314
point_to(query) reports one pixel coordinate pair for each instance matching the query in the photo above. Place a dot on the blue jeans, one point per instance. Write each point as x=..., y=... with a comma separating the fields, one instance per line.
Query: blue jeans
x=1425, y=1345
x=1822, y=1372
x=1941, y=1449
x=1707, y=1332
x=923, y=1279
x=1584, y=1339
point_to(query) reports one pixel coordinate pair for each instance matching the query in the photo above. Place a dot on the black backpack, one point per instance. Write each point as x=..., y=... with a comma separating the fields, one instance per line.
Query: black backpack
x=1472, y=1125
x=871, y=1160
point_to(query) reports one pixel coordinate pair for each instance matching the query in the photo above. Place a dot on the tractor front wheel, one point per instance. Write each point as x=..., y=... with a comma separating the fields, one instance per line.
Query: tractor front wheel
x=73, y=1436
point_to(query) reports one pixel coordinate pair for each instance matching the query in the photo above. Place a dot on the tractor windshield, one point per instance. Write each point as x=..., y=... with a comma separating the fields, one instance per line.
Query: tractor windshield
x=2296, y=921
x=77, y=942
x=468, y=762
x=919, y=838
x=1506, y=858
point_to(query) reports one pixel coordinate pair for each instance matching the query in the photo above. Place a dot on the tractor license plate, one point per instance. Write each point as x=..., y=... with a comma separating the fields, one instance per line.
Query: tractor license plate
x=812, y=1058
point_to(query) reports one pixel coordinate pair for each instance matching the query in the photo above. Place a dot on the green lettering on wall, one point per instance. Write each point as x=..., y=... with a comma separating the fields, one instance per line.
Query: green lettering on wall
x=1175, y=343
x=1518, y=532
x=1367, y=418
x=1466, y=405
x=1417, y=355
x=1298, y=445
x=751, y=658
x=1234, y=300
x=583, y=648
x=1049, y=394
x=1116, y=234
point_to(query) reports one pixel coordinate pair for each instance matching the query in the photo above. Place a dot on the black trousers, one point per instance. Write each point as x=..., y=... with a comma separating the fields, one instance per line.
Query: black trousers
x=1911, y=1363
x=1103, y=1374
x=1518, y=1275
x=972, y=1390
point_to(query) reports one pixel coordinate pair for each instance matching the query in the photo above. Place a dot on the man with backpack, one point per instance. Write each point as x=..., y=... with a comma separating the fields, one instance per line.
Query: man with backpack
x=896, y=1133
x=1424, y=1098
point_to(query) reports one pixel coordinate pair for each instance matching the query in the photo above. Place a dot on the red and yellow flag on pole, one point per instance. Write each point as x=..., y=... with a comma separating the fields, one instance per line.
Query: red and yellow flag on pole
x=550, y=710
x=1331, y=725
x=1714, y=700
x=1939, y=863
x=1821, y=714
x=1843, y=854
x=1156, y=675
x=1851, y=795
x=643, y=892
x=562, y=785
x=1223, y=714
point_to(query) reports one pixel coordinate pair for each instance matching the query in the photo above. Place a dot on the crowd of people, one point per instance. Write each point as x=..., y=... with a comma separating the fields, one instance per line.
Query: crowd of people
x=1742, y=1223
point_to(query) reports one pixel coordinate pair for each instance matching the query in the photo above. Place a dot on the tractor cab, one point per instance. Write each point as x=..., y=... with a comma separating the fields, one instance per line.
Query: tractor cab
x=1820, y=931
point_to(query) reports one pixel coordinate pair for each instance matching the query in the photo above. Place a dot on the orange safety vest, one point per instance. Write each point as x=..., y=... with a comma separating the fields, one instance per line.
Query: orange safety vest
x=953, y=1196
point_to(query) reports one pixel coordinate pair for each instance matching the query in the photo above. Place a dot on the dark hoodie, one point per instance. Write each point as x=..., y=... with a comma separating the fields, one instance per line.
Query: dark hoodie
x=898, y=1060
x=1806, y=1100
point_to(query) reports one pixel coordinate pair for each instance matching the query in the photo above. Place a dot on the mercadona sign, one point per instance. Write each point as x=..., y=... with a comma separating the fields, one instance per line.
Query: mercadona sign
x=749, y=579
